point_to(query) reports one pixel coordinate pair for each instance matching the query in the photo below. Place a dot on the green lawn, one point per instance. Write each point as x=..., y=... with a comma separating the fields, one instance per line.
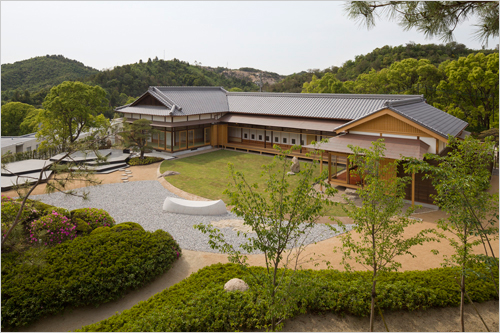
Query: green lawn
x=207, y=174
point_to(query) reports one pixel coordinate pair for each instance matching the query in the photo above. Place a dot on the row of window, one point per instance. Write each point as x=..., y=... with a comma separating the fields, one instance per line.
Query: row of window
x=276, y=139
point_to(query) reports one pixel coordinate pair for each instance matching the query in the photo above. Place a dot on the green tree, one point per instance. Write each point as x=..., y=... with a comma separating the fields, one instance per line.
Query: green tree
x=327, y=84
x=130, y=100
x=461, y=180
x=235, y=89
x=433, y=18
x=13, y=114
x=30, y=122
x=380, y=222
x=372, y=83
x=138, y=135
x=70, y=109
x=470, y=91
x=280, y=217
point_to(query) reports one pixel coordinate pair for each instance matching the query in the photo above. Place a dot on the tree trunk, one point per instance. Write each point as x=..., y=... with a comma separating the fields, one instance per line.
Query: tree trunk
x=372, y=312
x=462, y=302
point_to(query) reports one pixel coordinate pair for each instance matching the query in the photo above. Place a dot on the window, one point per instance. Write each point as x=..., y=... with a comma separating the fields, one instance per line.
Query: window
x=293, y=141
x=253, y=136
x=284, y=140
x=260, y=137
x=28, y=148
x=276, y=139
x=301, y=142
x=245, y=136
x=36, y=146
x=267, y=137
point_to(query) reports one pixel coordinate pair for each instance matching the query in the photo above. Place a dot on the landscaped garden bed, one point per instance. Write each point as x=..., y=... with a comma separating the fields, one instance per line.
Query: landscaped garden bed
x=206, y=175
x=147, y=160
x=77, y=258
x=199, y=303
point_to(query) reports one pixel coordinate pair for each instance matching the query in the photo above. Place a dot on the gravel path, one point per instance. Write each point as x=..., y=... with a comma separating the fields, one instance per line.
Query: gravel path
x=142, y=202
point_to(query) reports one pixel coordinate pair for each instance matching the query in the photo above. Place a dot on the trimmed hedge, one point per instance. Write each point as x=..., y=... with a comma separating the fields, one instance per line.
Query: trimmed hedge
x=199, y=302
x=147, y=160
x=88, y=270
x=93, y=217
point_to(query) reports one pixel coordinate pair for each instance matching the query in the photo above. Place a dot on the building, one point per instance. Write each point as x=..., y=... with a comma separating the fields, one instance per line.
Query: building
x=19, y=144
x=193, y=117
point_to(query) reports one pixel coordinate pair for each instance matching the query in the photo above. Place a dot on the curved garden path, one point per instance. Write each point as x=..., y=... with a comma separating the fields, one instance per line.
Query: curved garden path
x=191, y=261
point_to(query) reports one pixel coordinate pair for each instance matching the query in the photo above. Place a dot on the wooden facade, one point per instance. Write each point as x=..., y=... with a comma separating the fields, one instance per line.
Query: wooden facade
x=389, y=125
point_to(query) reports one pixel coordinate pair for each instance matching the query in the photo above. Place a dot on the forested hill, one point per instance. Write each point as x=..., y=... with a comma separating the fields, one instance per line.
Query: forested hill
x=134, y=79
x=29, y=81
x=378, y=59
x=42, y=72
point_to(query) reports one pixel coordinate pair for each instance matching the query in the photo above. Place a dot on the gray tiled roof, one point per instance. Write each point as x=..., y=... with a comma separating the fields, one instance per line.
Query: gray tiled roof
x=145, y=109
x=196, y=100
x=17, y=140
x=332, y=106
x=418, y=111
x=430, y=117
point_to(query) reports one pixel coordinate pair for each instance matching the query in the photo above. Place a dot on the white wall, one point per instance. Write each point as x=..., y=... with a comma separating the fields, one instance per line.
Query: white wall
x=431, y=142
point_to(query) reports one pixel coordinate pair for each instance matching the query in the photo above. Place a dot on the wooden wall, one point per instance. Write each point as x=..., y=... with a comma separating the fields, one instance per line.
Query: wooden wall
x=423, y=187
x=388, y=124
x=221, y=135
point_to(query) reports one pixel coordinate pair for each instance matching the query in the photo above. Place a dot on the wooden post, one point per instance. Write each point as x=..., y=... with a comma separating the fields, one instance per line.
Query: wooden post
x=348, y=170
x=335, y=166
x=265, y=141
x=321, y=171
x=329, y=167
x=413, y=189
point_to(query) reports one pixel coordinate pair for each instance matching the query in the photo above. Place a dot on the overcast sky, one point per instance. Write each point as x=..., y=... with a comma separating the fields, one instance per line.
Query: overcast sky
x=283, y=37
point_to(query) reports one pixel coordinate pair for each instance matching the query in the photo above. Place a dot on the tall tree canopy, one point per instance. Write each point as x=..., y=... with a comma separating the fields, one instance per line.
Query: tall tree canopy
x=433, y=18
x=13, y=114
x=470, y=91
x=71, y=109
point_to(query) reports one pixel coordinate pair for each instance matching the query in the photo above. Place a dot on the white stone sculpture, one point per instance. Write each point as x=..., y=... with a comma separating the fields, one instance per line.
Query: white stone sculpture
x=236, y=284
x=190, y=207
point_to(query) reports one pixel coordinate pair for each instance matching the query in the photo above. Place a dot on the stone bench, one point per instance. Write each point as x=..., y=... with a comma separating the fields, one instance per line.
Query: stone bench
x=190, y=207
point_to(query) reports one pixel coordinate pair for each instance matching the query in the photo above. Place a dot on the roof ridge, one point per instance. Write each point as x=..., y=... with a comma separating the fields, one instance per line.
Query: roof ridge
x=159, y=95
x=320, y=95
x=190, y=87
x=405, y=101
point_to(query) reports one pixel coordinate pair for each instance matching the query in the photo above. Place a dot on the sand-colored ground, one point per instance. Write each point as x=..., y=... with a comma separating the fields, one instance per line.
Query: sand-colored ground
x=191, y=261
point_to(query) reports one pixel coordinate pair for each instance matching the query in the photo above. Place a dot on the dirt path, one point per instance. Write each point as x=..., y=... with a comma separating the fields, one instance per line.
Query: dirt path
x=191, y=261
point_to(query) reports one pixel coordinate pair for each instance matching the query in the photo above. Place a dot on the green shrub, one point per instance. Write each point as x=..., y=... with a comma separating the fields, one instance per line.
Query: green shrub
x=86, y=271
x=41, y=207
x=82, y=227
x=145, y=161
x=94, y=217
x=18, y=238
x=198, y=303
x=127, y=226
x=51, y=229
x=100, y=230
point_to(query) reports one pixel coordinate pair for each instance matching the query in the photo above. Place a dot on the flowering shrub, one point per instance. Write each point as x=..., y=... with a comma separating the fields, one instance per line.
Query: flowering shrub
x=51, y=229
x=94, y=217
x=6, y=198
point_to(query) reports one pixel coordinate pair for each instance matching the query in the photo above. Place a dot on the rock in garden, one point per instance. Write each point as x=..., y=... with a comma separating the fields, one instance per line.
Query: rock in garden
x=236, y=284
x=295, y=168
x=351, y=191
x=169, y=173
x=289, y=173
